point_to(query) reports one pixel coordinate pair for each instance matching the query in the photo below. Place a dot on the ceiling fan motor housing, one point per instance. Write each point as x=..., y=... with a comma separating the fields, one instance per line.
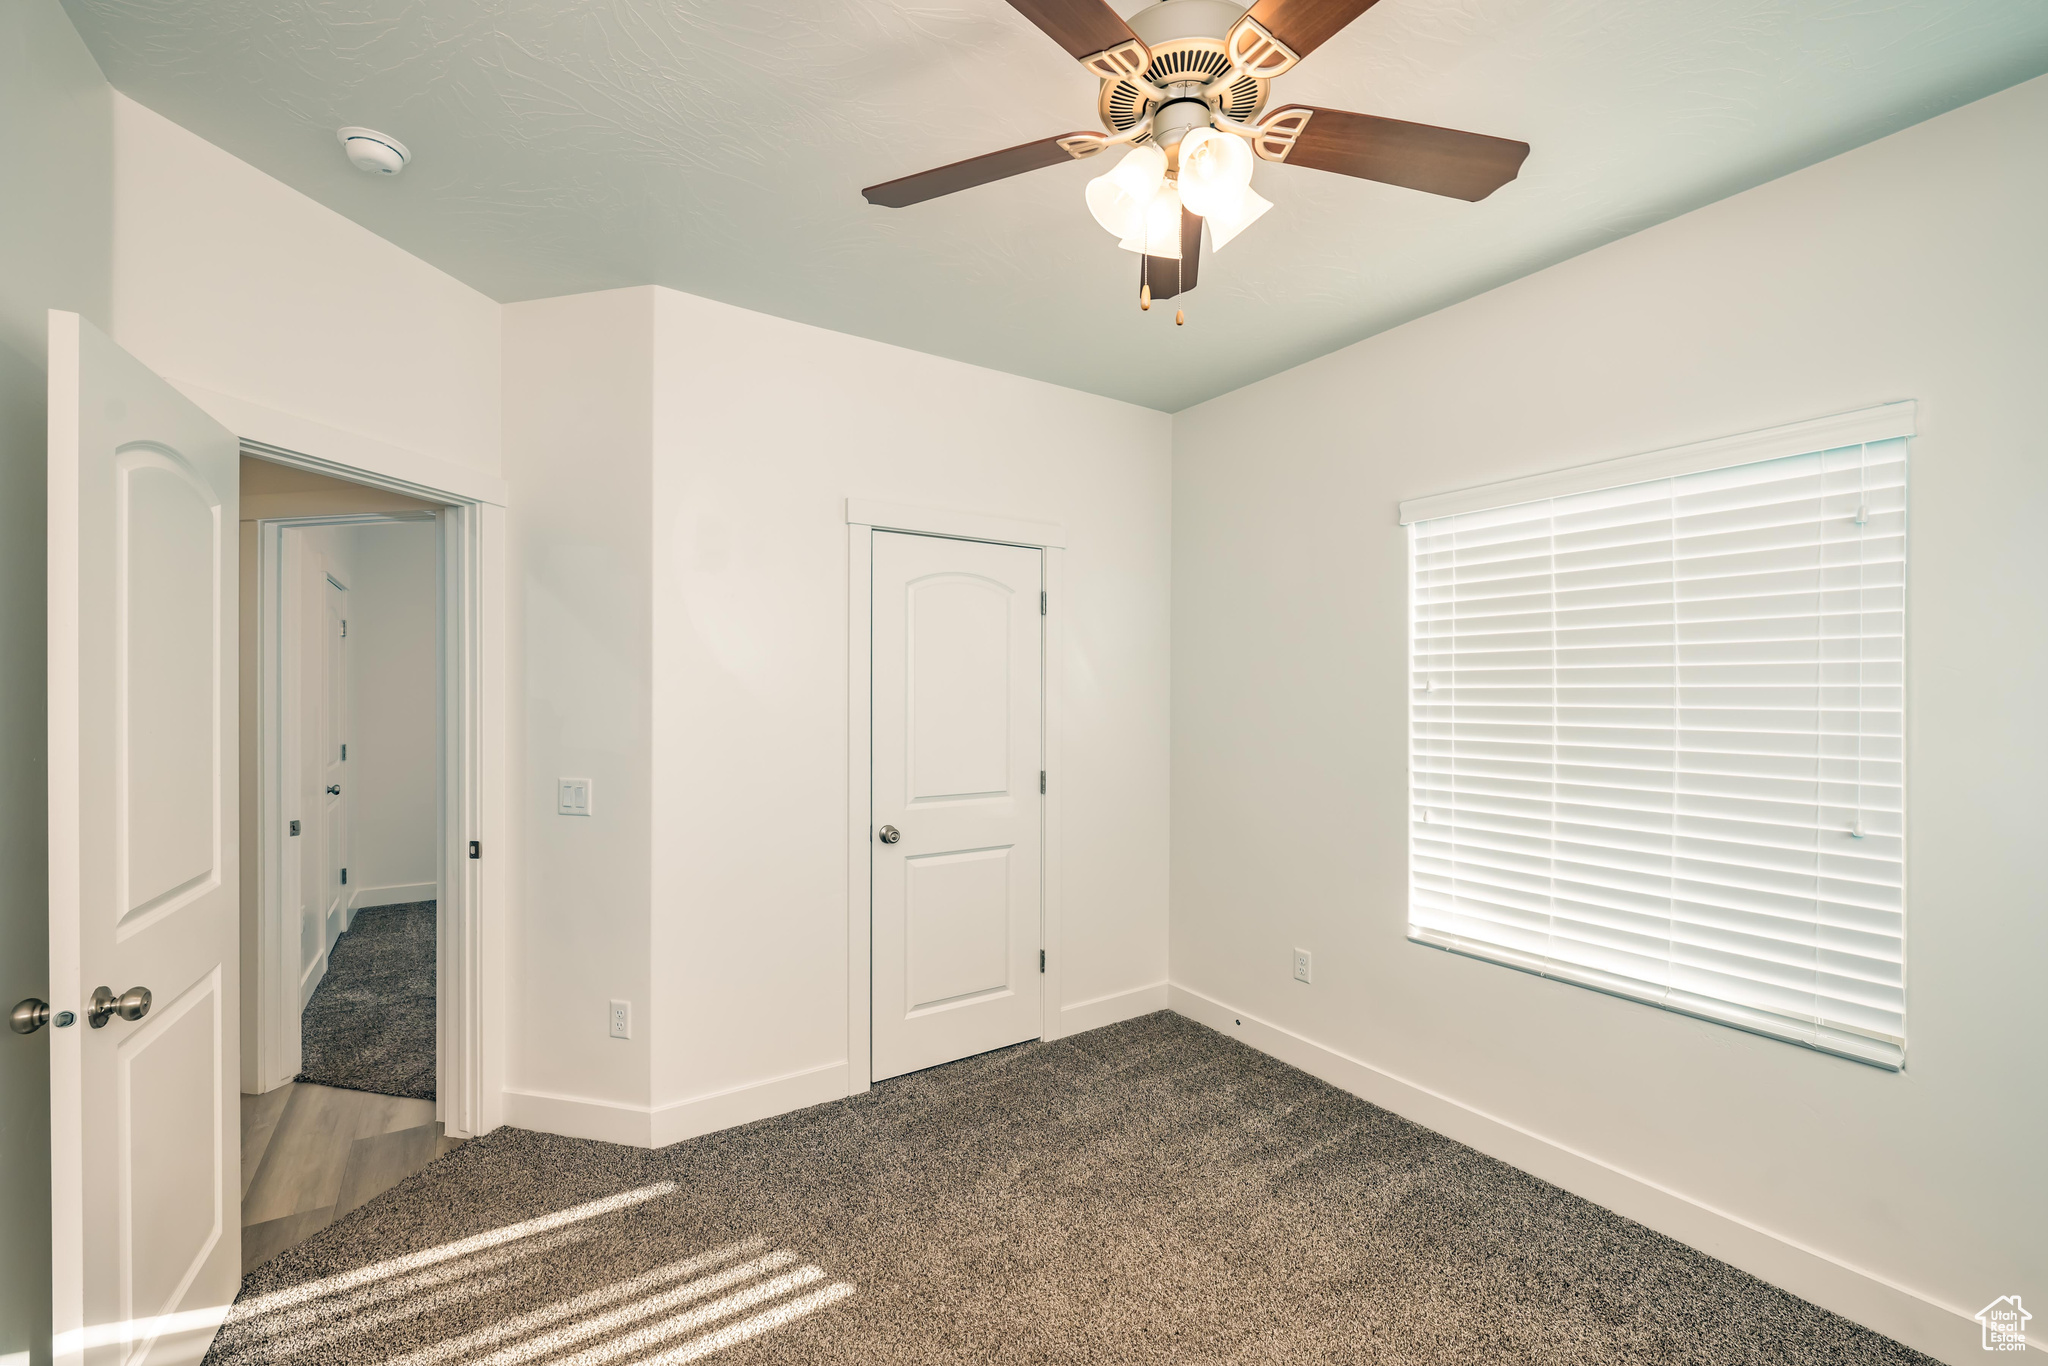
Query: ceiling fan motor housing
x=1189, y=63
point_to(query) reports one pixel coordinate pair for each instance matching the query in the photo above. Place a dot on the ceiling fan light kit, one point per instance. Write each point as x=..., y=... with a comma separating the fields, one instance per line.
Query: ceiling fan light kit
x=1183, y=83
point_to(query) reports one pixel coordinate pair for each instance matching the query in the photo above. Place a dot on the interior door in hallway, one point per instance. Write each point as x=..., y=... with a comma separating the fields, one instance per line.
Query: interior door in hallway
x=958, y=819
x=333, y=759
x=144, y=882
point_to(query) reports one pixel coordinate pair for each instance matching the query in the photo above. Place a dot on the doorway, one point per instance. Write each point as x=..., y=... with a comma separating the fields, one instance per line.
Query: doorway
x=343, y=656
x=953, y=716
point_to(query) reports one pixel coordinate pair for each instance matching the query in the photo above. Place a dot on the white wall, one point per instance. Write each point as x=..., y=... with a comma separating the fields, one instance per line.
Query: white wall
x=229, y=280
x=56, y=168
x=1911, y=268
x=394, y=708
x=578, y=458
x=763, y=428
x=679, y=471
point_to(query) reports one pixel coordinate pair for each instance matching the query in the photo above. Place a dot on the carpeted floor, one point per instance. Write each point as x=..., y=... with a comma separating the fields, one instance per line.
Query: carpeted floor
x=1149, y=1192
x=370, y=1024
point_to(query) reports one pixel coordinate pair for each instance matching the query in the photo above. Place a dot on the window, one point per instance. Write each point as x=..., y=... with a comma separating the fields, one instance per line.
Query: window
x=1656, y=739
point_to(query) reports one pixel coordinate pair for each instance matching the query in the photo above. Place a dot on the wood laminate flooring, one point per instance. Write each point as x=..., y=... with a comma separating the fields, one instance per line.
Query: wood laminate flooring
x=310, y=1154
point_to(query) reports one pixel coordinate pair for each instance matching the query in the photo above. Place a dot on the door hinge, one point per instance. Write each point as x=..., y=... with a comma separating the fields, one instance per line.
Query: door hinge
x=476, y=848
x=1041, y=960
x=344, y=753
x=295, y=827
x=1041, y=782
x=344, y=628
x=1041, y=602
x=344, y=877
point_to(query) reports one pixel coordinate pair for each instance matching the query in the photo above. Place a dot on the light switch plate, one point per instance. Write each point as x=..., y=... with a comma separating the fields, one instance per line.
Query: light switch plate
x=622, y=1019
x=572, y=796
x=1304, y=965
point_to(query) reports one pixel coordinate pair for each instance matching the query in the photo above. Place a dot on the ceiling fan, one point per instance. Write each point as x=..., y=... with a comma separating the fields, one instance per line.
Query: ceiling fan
x=1183, y=85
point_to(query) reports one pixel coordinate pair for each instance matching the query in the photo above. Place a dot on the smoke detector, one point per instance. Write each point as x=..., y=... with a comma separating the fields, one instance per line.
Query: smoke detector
x=372, y=151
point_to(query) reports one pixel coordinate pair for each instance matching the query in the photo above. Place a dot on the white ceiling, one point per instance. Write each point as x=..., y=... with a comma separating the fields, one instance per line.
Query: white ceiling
x=569, y=145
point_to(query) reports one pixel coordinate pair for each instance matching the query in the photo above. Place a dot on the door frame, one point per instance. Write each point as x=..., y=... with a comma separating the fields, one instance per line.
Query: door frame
x=470, y=949
x=863, y=519
x=279, y=694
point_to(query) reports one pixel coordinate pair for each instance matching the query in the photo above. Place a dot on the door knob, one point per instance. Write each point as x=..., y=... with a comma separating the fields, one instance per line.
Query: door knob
x=30, y=1015
x=889, y=834
x=334, y=789
x=131, y=1004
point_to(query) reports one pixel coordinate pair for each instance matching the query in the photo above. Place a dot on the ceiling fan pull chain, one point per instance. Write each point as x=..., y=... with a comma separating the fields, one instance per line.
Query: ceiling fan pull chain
x=1180, y=317
x=1144, y=289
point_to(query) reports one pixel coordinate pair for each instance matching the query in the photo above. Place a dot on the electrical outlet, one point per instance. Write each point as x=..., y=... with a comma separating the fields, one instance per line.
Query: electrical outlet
x=1304, y=965
x=622, y=1019
x=572, y=796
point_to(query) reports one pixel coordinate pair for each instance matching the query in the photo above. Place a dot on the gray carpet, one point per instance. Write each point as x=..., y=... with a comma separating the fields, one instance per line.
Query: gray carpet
x=1149, y=1192
x=370, y=1024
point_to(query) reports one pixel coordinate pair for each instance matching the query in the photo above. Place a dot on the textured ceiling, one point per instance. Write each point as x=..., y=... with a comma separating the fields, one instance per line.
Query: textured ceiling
x=570, y=145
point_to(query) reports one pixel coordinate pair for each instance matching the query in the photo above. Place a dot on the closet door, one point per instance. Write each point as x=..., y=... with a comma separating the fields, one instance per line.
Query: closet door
x=958, y=818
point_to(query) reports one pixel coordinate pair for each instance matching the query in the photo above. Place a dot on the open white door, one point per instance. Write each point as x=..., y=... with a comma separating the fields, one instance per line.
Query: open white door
x=144, y=1127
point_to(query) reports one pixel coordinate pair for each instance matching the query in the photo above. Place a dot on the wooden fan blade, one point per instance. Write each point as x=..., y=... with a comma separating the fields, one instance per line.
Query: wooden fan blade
x=1092, y=33
x=1413, y=155
x=1169, y=277
x=1303, y=25
x=965, y=175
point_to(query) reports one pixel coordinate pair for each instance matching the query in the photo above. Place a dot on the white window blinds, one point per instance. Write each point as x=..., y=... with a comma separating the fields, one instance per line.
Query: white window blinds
x=1657, y=743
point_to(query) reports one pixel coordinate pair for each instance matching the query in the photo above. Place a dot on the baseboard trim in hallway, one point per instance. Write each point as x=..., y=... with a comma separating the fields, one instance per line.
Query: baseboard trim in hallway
x=1941, y=1331
x=392, y=894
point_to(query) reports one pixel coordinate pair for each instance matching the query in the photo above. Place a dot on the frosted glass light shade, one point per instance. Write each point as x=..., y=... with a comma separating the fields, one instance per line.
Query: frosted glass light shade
x=1160, y=234
x=1118, y=198
x=1215, y=171
x=1141, y=171
x=1116, y=211
x=1235, y=218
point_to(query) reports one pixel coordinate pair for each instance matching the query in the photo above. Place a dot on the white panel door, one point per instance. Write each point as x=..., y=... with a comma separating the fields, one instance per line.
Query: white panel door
x=145, y=1233
x=333, y=794
x=958, y=821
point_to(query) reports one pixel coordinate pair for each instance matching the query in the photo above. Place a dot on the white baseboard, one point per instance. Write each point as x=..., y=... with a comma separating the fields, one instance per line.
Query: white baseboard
x=657, y=1126
x=310, y=978
x=607, y=1121
x=1108, y=1010
x=1943, y=1331
x=394, y=894
x=683, y=1119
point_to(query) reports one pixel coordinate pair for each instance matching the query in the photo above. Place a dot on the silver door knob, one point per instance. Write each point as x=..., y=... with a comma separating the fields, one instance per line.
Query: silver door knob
x=30, y=1015
x=889, y=834
x=334, y=789
x=131, y=1004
